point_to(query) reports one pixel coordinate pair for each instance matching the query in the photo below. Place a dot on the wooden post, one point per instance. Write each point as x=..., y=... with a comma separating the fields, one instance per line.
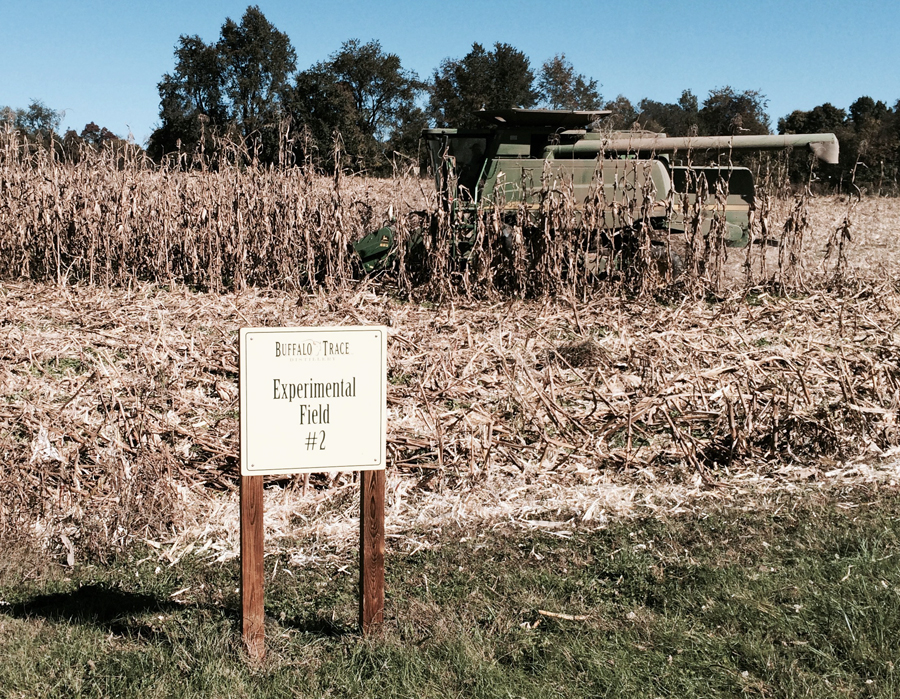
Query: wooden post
x=252, y=534
x=371, y=550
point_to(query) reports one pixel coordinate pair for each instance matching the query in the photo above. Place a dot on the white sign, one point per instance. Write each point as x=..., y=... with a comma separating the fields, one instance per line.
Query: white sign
x=313, y=399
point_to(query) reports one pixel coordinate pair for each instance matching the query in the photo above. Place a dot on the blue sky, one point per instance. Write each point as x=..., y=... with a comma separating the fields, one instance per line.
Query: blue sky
x=100, y=61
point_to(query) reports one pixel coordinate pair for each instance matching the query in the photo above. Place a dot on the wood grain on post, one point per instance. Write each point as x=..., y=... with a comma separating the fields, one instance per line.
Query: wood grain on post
x=371, y=550
x=252, y=531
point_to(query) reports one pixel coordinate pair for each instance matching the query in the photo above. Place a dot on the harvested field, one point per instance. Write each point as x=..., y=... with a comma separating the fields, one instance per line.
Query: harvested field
x=125, y=286
x=119, y=414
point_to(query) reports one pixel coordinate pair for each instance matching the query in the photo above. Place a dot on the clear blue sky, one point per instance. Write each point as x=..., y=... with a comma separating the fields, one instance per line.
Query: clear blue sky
x=100, y=60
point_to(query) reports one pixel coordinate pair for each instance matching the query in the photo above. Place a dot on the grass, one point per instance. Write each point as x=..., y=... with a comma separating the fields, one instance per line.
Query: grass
x=796, y=595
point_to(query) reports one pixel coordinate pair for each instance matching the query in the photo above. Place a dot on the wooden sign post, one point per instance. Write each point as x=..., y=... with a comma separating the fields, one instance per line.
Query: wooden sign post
x=371, y=550
x=312, y=400
x=252, y=536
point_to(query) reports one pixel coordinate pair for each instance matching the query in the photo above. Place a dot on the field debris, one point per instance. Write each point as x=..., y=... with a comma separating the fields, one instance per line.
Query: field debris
x=125, y=284
x=119, y=416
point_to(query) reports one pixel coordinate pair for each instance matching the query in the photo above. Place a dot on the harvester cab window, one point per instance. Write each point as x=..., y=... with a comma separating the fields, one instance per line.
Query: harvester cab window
x=461, y=158
x=539, y=141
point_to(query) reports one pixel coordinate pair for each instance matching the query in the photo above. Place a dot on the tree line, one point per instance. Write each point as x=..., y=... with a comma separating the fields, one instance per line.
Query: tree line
x=363, y=106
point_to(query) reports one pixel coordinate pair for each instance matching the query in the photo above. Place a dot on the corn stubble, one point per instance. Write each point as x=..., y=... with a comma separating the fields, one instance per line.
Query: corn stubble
x=120, y=379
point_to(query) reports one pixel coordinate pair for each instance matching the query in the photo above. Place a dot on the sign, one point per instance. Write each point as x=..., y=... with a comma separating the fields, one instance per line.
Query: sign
x=313, y=399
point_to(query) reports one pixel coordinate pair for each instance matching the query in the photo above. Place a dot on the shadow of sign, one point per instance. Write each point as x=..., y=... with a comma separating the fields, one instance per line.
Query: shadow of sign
x=131, y=613
x=113, y=609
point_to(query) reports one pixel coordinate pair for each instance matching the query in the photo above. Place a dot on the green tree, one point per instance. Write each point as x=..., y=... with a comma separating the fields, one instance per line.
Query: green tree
x=875, y=130
x=866, y=113
x=365, y=94
x=402, y=148
x=727, y=112
x=826, y=118
x=191, y=100
x=623, y=116
x=382, y=89
x=678, y=119
x=37, y=123
x=560, y=87
x=321, y=108
x=238, y=83
x=496, y=79
x=258, y=62
x=96, y=135
x=39, y=120
x=7, y=117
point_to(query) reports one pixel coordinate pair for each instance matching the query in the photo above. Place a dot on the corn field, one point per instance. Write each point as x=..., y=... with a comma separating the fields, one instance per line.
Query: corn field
x=113, y=218
x=518, y=382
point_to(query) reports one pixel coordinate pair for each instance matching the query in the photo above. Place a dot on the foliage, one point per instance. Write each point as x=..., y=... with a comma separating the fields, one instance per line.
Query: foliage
x=498, y=79
x=869, y=136
x=375, y=102
x=257, y=61
x=244, y=88
x=560, y=87
x=322, y=107
x=39, y=119
x=37, y=123
x=190, y=98
x=728, y=112
x=825, y=118
x=246, y=85
x=380, y=86
x=97, y=136
x=679, y=119
x=624, y=116
x=402, y=148
x=241, y=82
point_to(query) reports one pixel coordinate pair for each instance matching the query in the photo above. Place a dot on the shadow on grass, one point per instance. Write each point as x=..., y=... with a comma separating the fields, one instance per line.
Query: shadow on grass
x=111, y=608
x=122, y=612
x=317, y=625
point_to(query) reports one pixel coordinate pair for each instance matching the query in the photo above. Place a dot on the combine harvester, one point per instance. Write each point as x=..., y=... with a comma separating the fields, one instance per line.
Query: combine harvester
x=630, y=177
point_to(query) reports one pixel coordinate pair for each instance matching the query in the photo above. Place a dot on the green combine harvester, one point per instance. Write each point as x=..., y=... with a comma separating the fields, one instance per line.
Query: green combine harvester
x=521, y=154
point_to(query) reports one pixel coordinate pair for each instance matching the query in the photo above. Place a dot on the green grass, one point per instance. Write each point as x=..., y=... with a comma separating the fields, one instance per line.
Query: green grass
x=792, y=597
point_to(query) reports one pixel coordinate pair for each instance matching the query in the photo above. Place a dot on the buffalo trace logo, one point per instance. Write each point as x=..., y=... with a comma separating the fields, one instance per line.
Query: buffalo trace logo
x=311, y=350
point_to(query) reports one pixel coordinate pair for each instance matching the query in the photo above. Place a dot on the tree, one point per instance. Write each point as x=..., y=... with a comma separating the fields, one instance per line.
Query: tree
x=826, y=118
x=322, y=107
x=866, y=113
x=679, y=119
x=239, y=82
x=623, y=115
x=365, y=94
x=257, y=62
x=7, y=117
x=380, y=86
x=39, y=120
x=37, y=123
x=97, y=136
x=404, y=140
x=497, y=79
x=198, y=78
x=560, y=87
x=191, y=101
x=726, y=112
x=876, y=144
